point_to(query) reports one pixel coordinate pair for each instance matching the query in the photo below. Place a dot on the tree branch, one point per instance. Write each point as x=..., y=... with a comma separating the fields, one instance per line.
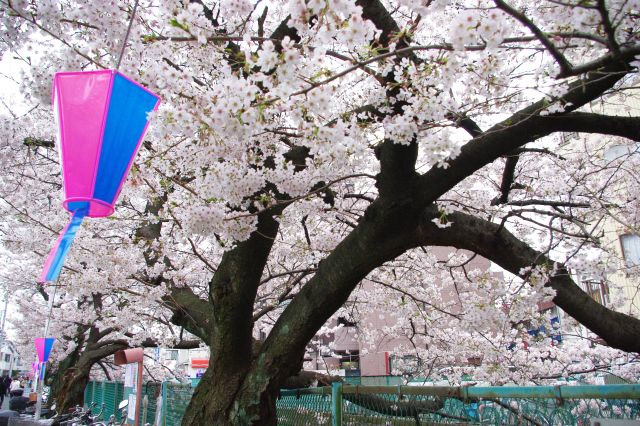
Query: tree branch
x=608, y=27
x=565, y=66
x=500, y=246
x=548, y=203
x=528, y=125
x=508, y=176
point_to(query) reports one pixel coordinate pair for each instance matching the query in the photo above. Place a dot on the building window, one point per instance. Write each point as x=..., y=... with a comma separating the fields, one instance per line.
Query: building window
x=567, y=137
x=409, y=365
x=631, y=249
x=7, y=357
x=349, y=362
x=598, y=291
x=171, y=354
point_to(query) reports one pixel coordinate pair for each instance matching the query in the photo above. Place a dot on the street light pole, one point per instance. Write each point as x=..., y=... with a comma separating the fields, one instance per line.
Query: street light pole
x=2, y=335
x=4, y=312
x=43, y=368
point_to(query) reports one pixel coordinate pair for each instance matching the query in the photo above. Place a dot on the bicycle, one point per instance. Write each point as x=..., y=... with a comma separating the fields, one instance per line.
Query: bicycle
x=122, y=408
x=80, y=416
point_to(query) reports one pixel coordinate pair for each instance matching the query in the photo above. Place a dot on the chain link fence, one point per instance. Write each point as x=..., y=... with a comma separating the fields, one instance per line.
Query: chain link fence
x=409, y=405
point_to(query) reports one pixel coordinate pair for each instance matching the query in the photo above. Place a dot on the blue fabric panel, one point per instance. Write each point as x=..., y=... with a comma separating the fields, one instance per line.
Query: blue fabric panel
x=75, y=205
x=126, y=120
x=64, y=243
x=48, y=344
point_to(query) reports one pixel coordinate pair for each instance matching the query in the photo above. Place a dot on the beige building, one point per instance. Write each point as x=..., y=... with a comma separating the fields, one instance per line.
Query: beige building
x=376, y=361
x=621, y=290
x=11, y=364
x=188, y=363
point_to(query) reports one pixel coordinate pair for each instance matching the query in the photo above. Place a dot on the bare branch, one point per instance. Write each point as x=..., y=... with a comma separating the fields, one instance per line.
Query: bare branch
x=608, y=28
x=565, y=66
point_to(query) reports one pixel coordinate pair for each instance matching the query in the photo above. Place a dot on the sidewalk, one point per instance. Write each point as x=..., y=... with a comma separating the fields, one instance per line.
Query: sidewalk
x=5, y=403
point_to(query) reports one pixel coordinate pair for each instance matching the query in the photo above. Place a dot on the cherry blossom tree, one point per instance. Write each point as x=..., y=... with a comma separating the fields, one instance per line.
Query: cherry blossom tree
x=303, y=147
x=89, y=330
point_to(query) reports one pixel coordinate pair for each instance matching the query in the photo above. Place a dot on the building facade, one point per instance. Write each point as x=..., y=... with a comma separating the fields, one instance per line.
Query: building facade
x=11, y=364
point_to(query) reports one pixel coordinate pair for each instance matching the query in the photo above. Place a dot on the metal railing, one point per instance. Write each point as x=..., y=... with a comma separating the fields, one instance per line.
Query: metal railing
x=343, y=404
x=423, y=405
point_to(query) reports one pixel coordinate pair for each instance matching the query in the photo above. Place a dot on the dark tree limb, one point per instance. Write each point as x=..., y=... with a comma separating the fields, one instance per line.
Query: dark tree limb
x=105, y=370
x=469, y=125
x=548, y=203
x=500, y=246
x=508, y=177
x=613, y=125
x=35, y=142
x=309, y=379
x=190, y=312
x=608, y=27
x=397, y=162
x=604, y=61
x=526, y=126
x=537, y=150
x=565, y=66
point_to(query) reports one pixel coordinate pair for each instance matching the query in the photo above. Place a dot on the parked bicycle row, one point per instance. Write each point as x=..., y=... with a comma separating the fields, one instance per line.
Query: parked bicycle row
x=21, y=406
x=80, y=416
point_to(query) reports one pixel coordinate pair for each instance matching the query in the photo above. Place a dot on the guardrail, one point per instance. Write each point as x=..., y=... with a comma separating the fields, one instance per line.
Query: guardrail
x=343, y=404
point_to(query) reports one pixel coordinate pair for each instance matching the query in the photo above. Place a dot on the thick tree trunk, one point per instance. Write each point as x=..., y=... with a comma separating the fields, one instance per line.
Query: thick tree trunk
x=226, y=397
x=56, y=378
x=70, y=379
x=70, y=390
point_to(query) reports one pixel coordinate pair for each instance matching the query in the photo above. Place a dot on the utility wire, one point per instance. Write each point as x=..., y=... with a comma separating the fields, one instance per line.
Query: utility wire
x=126, y=37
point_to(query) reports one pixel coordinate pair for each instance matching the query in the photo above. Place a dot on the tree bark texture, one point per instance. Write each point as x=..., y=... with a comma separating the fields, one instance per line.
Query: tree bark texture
x=72, y=376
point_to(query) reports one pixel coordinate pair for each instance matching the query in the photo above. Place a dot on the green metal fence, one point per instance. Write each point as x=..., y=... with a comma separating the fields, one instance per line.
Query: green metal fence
x=175, y=398
x=374, y=380
x=305, y=407
x=109, y=393
x=412, y=405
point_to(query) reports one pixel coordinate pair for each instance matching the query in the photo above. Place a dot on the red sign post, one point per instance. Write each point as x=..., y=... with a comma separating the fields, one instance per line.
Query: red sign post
x=130, y=356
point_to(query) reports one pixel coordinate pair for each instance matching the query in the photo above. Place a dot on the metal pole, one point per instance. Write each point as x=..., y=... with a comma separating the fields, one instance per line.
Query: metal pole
x=145, y=404
x=126, y=36
x=44, y=364
x=336, y=404
x=2, y=335
x=138, y=393
x=39, y=397
x=4, y=313
x=164, y=403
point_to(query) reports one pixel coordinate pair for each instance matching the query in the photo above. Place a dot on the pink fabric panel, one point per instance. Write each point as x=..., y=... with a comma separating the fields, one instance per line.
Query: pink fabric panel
x=39, y=347
x=82, y=102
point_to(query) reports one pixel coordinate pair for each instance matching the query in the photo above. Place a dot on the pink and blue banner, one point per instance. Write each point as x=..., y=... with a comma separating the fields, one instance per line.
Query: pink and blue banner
x=43, y=348
x=102, y=117
x=55, y=260
x=38, y=370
